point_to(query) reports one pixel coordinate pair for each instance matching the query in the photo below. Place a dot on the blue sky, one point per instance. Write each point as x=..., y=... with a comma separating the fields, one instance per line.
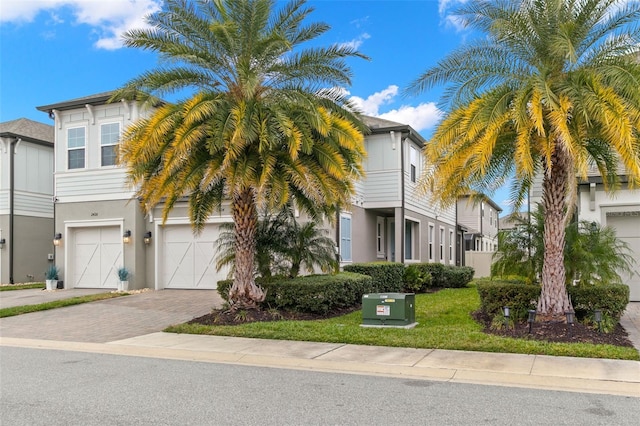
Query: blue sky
x=56, y=50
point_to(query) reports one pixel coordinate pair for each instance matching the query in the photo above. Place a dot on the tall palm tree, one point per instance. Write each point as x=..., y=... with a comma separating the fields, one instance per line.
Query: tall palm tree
x=552, y=89
x=264, y=121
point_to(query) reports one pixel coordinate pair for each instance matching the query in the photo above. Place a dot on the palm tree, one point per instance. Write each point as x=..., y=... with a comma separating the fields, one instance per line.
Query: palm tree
x=592, y=254
x=551, y=90
x=264, y=121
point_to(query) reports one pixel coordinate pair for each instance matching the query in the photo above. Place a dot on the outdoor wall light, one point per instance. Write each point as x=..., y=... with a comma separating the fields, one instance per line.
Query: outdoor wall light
x=57, y=240
x=531, y=319
x=506, y=310
x=597, y=316
x=147, y=237
x=126, y=237
x=571, y=317
x=2, y=243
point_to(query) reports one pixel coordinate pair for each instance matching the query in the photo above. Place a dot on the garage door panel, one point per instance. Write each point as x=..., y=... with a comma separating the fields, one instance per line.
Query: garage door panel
x=628, y=230
x=188, y=261
x=97, y=253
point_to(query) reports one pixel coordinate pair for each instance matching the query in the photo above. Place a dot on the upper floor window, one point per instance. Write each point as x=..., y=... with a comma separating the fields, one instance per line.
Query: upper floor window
x=413, y=163
x=345, y=238
x=109, y=135
x=76, y=148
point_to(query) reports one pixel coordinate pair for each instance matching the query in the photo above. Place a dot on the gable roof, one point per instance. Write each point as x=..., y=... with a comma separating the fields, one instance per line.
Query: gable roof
x=29, y=130
x=380, y=125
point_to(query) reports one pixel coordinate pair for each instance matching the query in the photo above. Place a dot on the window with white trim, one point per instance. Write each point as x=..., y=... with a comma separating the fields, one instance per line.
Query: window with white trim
x=431, y=236
x=450, y=246
x=380, y=249
x=75, y=148
x=441, y=244
x=411, y=240
x=345, y=238
x=109, y=136
x=413, y=163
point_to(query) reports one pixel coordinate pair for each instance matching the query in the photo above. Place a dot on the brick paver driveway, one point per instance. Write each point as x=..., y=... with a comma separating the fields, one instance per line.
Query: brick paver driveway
x=112, y=319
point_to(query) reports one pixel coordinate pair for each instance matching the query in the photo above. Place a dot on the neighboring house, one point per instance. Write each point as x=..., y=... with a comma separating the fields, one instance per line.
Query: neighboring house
x=480, y=217
x=390, y=219
x=26, y=206
x=620, y=210
x=511, y=221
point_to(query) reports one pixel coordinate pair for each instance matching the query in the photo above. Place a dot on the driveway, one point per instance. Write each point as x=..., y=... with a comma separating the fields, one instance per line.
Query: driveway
x=106, y=320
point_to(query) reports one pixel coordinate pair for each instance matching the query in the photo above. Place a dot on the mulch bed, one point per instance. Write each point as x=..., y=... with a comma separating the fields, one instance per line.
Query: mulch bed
x=550, y=330
x=557, y=331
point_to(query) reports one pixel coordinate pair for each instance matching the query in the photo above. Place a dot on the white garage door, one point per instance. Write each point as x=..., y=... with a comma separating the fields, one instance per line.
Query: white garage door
x=188, y=261
x=97, y=254
x=628, y=229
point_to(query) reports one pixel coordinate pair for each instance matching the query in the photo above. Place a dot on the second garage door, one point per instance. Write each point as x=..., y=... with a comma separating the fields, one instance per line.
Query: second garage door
x=628, y=230
x=188, y=261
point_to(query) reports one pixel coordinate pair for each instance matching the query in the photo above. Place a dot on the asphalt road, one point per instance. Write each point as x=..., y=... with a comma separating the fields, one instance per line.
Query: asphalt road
x=44, y=387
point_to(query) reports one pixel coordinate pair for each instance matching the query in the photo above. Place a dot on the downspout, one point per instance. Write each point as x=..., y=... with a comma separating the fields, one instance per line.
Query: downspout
x=13, y=146
x=403, y=138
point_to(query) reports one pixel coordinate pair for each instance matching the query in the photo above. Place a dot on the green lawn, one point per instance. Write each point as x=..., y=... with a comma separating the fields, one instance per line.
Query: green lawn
x=444, y=323
x=19, y=310
x=21, y=286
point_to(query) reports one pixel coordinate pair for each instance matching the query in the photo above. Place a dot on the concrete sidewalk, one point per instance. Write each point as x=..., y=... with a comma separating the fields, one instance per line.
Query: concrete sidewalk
x=585, y=375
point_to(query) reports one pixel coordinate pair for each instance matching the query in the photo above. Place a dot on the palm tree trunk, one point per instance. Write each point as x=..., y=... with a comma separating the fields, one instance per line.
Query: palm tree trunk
x=554, y=299
x=244, y=293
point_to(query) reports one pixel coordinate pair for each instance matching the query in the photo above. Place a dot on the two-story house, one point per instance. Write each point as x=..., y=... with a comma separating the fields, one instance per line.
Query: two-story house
x=481, y=219
x=390, y=218
x=99, y=223
x=26, y=208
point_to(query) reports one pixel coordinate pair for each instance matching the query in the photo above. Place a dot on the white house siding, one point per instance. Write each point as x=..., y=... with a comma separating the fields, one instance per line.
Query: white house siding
x=621, y=211
x=29, y=204
x=382, y=189
x=33, y=168
x=92, y=185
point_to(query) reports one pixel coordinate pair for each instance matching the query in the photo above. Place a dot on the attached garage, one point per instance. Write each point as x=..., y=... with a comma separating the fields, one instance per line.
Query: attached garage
x=187, y=261
x=628, y=230
x=96, y=255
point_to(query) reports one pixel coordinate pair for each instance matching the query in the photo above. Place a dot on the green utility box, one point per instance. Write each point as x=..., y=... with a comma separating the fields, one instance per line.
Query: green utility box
x=389, y=309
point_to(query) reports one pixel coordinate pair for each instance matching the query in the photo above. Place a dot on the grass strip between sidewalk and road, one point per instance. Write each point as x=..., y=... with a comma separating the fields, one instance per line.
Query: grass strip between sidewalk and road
x=21, y=286
x=445, y=322
x=25, y=309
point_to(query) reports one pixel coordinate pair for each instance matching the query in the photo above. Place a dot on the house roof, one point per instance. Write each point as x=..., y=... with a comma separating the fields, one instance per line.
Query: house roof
x=26, y=129
x=476, y=198
x=97, y=99
x=380, y=125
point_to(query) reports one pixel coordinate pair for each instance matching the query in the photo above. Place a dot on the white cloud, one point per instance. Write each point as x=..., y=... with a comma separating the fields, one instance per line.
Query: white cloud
x=421, y=117
x=356, y=42
x=449, y=20
x=108, y=19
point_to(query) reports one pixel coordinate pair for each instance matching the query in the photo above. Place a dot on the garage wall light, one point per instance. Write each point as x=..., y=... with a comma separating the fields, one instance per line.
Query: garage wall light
x=57, y=240
x=126, y=237
x=2, y=243
x=147, y=237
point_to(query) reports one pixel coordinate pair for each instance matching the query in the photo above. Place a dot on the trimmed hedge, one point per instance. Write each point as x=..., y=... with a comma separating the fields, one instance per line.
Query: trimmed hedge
x=520, y=297
x=317, y=294
x=387, y=276
x=419, y=277
x=612, y=299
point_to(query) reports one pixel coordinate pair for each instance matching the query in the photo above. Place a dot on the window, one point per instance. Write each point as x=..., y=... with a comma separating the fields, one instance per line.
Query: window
x=413, y=159
x=411, y=240
x=442, y=244
x=109, y=135
x=482, y=209
x=431, y=232
x=380, y=237
x=490, y=216
x=75, y=148
x=345, y=238
x=450, y=246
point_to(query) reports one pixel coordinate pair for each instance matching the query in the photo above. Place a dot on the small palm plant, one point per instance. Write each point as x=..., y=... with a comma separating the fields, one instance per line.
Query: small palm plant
x=51, y=273
x=123, y=274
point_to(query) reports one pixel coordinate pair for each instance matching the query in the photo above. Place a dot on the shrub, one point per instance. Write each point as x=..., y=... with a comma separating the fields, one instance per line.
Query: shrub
x=387, y=276
x=318, y=293
x=417, y=279
x=611, y=299
x=437, y=273
x=457, y=276
x=51, y=273
x=520, y=297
